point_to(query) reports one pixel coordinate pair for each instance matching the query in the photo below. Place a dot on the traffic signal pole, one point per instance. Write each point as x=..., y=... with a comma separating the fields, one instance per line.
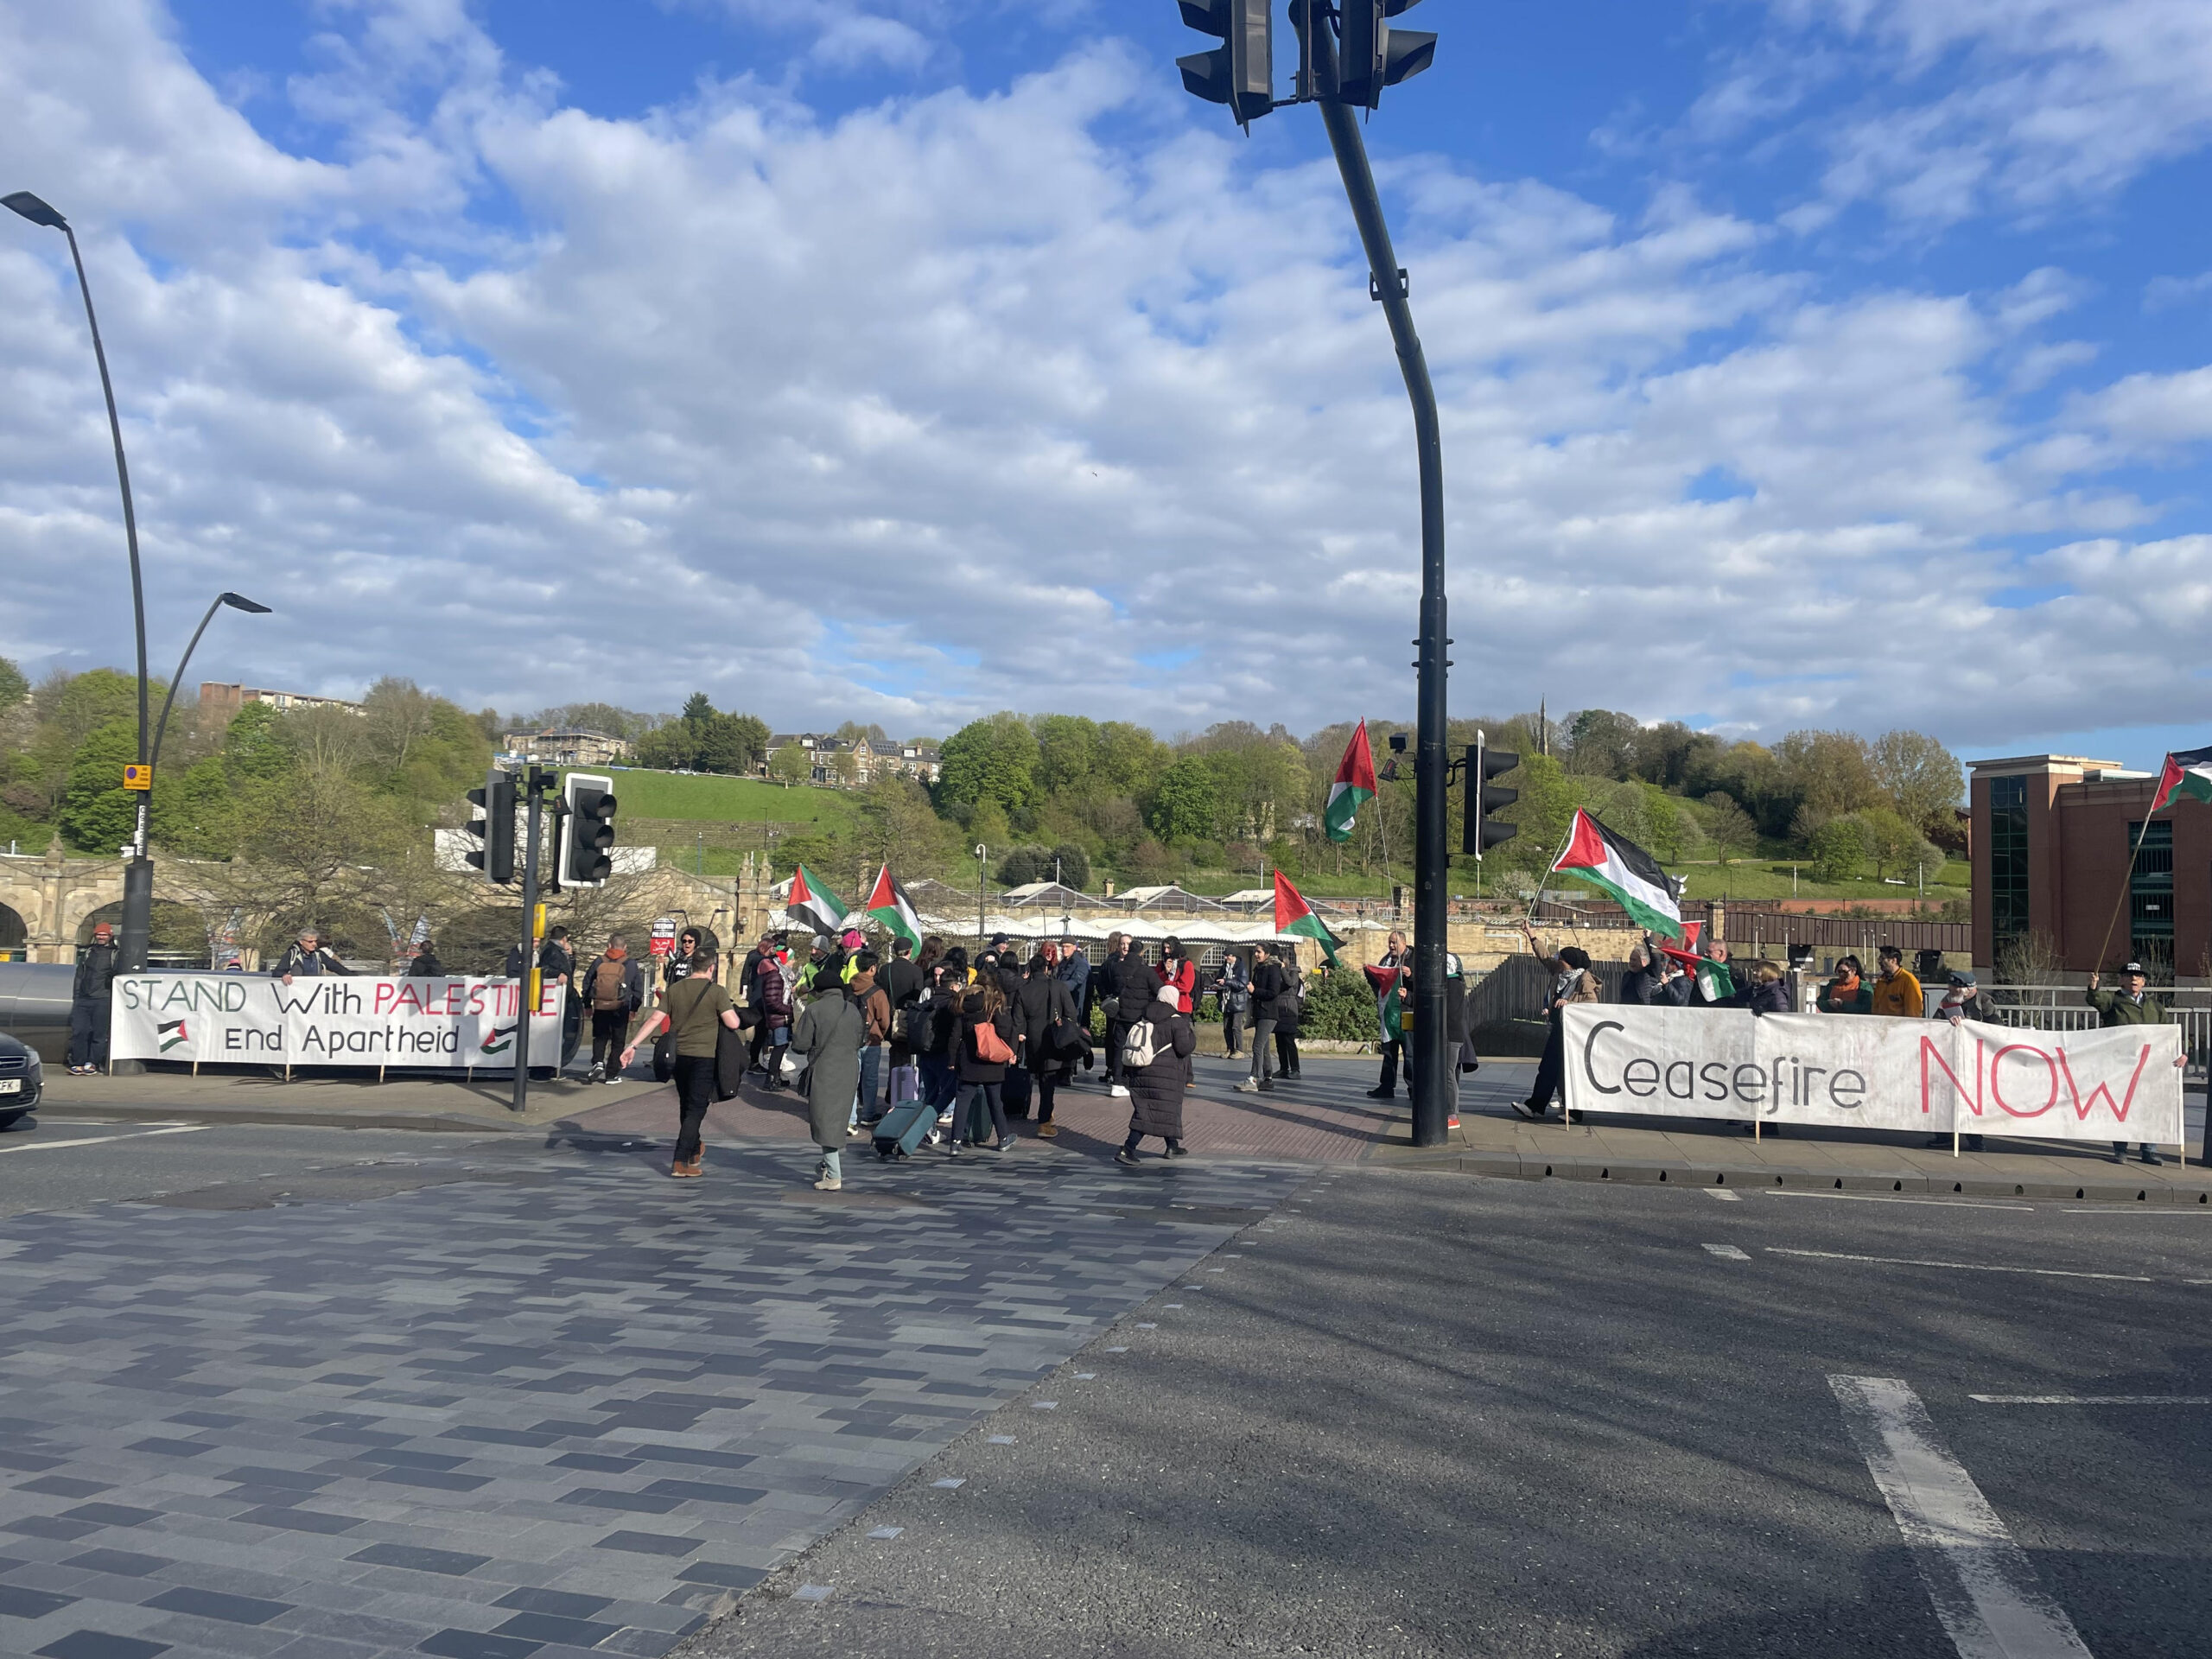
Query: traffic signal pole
x=525, y=1000
x=1429, y=1082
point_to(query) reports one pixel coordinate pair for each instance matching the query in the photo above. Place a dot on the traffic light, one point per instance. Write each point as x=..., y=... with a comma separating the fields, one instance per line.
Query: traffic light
x=1375, y=55
x=1240, y=72
x=1484, y=797
x=587, y=830
x=496, y=829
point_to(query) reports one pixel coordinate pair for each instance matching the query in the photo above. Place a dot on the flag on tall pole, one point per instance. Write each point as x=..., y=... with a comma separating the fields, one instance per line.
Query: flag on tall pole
x=1353, y=789
x=1294, y=917
x=1618, y=867
x=888, y=905
x=2188, y=772
x=812, y=903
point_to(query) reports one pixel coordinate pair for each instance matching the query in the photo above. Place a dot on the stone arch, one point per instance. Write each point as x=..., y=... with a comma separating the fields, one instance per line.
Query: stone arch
x=15, y=935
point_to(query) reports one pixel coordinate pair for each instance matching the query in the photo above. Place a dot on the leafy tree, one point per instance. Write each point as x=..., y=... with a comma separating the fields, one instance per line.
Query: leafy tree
x=1831, y=772
x=1129, y=758
x=698, y=710
x=987, y=827
x=844, y=765
x=897, y=827
x=1184, y=801
x=1923, y=778
x=98, y=814
x=254, y=750
x=728, y=744
x=1839, y=848
x=1067, y=754
x=1601, y=743
x=672, y=747
x=993, y=759
x=852, y=732
x=792, y=765
x=1544, y=809
x=78, y=704
x=1066, y=863
x=1890, y=840
x=1728, y=826
x=14, y=688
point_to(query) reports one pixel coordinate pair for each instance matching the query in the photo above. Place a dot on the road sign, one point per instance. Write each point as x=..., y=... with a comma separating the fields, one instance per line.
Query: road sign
x=139, y=777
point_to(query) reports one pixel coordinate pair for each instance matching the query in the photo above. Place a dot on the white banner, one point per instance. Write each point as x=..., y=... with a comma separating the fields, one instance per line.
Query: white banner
x=1923, y=1076
x=238, y=1018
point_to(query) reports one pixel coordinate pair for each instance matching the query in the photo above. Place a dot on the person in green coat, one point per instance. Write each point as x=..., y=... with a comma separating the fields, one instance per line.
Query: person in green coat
x=1848, y=991
x=830, y=1034
x=2129, y=1007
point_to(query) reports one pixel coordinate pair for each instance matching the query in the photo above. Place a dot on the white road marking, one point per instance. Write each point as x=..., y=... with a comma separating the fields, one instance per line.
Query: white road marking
x=1726, y=1252
x=1727, y=1195
x=104, y=1139
x=998, y=1440
x=952, y=1484
x=1086, y=1377
x=811, y=1592
x=2129, y=1209
x=1889, y=1197
x=886, y=1532
x=1986, y=1592
x=2093, y=1399
x=1043, y=1405
x=1960, y=1267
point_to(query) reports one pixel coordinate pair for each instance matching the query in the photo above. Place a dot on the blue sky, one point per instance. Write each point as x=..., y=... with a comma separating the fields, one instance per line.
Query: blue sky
x=1804, y=362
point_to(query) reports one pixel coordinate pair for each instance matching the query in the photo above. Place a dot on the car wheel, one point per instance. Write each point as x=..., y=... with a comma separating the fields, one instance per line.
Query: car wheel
x=14, y=1115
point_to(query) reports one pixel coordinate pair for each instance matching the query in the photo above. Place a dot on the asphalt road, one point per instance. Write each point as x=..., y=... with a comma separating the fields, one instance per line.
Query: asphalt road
x=52, y=1162
x=1428, y=1416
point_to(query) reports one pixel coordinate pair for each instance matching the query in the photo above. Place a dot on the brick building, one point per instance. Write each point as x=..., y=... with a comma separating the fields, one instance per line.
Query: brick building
x=2052, y=838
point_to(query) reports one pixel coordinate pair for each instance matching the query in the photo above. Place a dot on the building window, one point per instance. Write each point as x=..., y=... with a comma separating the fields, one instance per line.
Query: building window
x=2151, y=899
x=2008, y=859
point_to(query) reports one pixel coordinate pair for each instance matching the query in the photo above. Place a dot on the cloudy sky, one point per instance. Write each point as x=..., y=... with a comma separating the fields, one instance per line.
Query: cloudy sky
x=1833, y=362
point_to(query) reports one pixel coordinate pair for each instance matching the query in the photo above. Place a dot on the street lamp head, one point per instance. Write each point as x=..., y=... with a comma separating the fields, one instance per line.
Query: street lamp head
x=240, y=602
x=35, y=210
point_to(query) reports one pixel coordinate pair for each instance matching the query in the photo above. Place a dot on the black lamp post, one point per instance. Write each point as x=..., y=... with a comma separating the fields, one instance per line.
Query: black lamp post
x=138, y=873
x=237, y=602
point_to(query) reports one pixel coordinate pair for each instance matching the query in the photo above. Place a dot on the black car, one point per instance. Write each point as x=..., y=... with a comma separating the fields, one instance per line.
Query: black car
x=22, y=1080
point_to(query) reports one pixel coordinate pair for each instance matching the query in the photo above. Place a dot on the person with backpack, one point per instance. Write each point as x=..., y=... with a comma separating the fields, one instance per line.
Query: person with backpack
x=933, y=1050
x=614, y=989
x=982, y=1047
x=831, y=1033
x=1043, y=1008
x=1268, y=986
x=696, y=1010
x=1156, y=1060
x=875, y=1003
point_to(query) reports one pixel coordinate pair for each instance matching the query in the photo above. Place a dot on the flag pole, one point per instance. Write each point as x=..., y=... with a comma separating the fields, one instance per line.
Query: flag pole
x=2127, y=885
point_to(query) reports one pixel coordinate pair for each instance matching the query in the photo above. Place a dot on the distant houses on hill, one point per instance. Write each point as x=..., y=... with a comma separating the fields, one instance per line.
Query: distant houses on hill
x=854, y=763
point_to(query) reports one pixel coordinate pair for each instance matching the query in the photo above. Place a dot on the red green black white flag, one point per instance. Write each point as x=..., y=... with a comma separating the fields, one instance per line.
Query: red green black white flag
x=815, y=905
x=889, y=906
x=1295, y=918
x=1353, y=788
x=2188, y=772
x=1618, y=867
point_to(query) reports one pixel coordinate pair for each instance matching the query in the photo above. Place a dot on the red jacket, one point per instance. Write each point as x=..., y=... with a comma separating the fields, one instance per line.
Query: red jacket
x=1184, y=979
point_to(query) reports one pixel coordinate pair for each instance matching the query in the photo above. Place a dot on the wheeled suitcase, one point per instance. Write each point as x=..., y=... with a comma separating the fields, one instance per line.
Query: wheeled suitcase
x=1013, y=1092
x=902, y=1129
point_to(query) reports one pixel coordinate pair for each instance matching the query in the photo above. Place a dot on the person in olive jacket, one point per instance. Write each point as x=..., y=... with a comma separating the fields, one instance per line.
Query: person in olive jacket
x=2129, y=1006
x=1156, y=1090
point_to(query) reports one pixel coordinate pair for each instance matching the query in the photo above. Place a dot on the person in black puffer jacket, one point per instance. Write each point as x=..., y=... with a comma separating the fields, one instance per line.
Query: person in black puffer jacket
x=1044, y=1001
x=1156, y=1090
x=983, y=1009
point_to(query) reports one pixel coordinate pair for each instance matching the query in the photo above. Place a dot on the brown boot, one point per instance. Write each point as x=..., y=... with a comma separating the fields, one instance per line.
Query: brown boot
x=682, y=1171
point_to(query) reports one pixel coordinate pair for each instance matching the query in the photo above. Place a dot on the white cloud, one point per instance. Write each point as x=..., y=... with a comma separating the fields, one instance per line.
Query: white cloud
x=950, y=404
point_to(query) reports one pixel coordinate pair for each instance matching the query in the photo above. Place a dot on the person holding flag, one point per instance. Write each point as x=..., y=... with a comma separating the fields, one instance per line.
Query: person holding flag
x=1572, y=982
x=1388, y=979
x=890, y=908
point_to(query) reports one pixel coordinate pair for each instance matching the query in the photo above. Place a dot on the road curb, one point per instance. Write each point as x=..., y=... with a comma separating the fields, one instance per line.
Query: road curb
x=1631, y=1172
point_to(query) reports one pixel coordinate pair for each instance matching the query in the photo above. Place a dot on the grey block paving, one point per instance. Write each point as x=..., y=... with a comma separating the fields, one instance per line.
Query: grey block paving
x=494, y=1421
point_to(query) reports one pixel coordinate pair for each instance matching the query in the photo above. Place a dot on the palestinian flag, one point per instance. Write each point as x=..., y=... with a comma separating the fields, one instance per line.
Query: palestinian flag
x=815, y=905
x=1294, y=917
x=171, y=1032
x=1714, y=982
x=1353, y=789
x=1618, y=866
x=497, y=1040
x=2188, y=772
x=891, y=908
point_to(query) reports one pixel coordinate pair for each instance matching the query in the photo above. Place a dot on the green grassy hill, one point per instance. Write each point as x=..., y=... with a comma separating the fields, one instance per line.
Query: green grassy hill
x=702, y=798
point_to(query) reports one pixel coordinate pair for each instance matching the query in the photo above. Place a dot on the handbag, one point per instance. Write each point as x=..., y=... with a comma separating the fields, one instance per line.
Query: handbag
x=991, y=1048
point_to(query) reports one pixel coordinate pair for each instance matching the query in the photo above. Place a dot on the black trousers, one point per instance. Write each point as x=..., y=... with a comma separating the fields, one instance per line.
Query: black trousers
x=1232, y=1023
x=1046, y=1080
x=986, y=1113
x=1285, y=1052
x=1388, y=1082
x=1551, y=1071
x=608, y=1028
x=695, y=1092
x=1115, y=1031
x=88, y=1029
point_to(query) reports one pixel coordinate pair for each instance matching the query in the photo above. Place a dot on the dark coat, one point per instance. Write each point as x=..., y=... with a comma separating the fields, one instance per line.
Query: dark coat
x=1074, y=972
x=973, y=1069
x=1641, y=986
x=1156, y=1090
x=1044, y=1000
x=1129, y=978
x=900, y=979
x=1773, y=997
x=425, y=965
x=1289, y=1005
x=1269, y=984
x=96, y=966
x=300, y=963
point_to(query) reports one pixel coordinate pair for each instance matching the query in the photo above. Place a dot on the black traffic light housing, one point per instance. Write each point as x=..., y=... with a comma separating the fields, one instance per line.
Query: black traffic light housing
x=1240, y=72
x=1484, y=797
x=587, y=830
x=496, y=829
x=1374, y=55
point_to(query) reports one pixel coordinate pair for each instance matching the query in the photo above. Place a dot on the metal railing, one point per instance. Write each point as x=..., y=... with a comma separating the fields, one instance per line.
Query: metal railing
x=2063, y=1008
